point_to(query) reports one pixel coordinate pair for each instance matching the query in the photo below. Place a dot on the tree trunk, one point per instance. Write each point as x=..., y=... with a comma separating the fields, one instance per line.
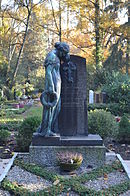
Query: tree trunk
x=97, y=32
x=60, y=20
x=20, y=52
x=128, y=42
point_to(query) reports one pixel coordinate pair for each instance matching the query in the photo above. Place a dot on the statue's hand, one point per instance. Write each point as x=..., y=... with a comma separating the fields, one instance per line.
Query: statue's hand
x=51, y=89
x=49, y=98
x=50, y=105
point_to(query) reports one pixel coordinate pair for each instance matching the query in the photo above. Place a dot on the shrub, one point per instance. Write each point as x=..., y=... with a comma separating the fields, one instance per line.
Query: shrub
x=102, y=123
x=115, y=108
x=27, y=128
x=124, y=129
x=4, y=135
x=117, y=88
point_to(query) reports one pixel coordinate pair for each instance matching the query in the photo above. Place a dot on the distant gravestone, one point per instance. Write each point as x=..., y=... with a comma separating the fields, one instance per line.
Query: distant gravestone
x=73, y=114
x=104, y=96
x=91, y=96
x=97, y=97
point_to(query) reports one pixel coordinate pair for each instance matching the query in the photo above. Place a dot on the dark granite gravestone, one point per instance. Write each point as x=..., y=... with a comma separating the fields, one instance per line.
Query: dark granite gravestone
x=97, y=97
x=73, y=114
x=104, y=96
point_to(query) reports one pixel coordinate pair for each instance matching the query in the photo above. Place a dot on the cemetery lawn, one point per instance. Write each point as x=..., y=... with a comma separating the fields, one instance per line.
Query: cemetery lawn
x=28, y=179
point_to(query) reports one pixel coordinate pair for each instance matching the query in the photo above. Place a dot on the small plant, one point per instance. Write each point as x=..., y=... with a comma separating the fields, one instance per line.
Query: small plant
x=124, y=129
x=69, y=161
x=4, y=135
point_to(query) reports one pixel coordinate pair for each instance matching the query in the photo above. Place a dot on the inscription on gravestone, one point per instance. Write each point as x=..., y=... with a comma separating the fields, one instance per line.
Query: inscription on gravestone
x=73, y=114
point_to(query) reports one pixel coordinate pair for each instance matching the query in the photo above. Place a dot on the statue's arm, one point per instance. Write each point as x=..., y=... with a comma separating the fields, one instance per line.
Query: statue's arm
x=49, y=78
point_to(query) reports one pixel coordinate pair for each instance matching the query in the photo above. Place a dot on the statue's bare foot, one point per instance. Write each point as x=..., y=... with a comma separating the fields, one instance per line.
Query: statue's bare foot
x=50, y=134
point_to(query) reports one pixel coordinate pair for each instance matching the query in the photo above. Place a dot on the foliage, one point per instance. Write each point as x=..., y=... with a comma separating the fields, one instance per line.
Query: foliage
x=17, y=190
x=124, y=129
x=26, y=130
x=98, y=172
x=37, y=170
x=117, y=88
x=8, y=93
x=14, y=188
x=4, y=135
x=10, y=123
x=102, y=123
x=114, y=190
x=115, y=108
x=90, y=27
x=10, y=118
x=64, y=184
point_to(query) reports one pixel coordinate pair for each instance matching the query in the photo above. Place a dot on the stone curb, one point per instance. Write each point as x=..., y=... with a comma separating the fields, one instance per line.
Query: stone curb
x=8, y=167
x=124, y=165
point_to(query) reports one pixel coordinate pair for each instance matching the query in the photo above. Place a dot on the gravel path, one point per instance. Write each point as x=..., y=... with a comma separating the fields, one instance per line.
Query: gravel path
x=77, y=172
x=105, y=182
x=4, y=193
x=71, y=193
x=27, y=180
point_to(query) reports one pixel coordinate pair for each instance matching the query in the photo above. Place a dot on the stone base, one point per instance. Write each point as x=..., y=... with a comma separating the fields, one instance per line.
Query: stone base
x=47, y=155
x=90, y=140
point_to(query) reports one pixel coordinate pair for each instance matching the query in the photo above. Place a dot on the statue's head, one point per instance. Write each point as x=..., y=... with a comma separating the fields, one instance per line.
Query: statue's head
x=63, y=50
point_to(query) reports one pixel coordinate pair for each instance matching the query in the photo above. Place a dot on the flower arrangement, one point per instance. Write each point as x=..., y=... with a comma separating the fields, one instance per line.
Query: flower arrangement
x=117, y=119
x=69, y=161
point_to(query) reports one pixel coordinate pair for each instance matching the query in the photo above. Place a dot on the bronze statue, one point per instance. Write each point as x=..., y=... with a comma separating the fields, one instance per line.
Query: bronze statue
x=50, y=98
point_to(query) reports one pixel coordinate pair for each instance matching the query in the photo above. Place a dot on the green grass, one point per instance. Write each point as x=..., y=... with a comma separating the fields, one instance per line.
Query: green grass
x=34, y=111
x=11, y=120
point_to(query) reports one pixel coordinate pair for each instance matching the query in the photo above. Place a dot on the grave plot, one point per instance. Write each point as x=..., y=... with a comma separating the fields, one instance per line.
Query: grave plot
x=30, y=179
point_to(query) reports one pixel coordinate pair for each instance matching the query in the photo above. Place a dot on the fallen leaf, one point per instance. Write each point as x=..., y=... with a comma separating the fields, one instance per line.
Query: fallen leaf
x=105, y=176
x=15, y=183
x=127, y=151
x=121, y=170
x=56, y=182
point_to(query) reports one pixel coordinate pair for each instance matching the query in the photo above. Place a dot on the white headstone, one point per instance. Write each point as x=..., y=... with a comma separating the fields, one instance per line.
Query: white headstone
x=91, y=96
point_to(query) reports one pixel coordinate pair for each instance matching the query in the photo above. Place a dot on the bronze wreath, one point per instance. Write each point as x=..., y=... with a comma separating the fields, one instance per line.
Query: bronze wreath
x=48, y=98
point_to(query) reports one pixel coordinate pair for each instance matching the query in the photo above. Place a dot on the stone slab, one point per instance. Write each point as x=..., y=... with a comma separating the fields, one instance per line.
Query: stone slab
x=45, y=141
x=47, y=155
x=90, y=140
x=5, y=165
x=125, y=164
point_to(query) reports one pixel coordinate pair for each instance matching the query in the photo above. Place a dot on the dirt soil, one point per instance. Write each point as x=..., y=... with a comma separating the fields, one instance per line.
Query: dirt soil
x=6, y=150
x=119, y=148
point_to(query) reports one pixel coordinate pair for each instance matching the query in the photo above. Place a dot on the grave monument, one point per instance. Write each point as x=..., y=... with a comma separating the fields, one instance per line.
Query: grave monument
x=64, y=122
